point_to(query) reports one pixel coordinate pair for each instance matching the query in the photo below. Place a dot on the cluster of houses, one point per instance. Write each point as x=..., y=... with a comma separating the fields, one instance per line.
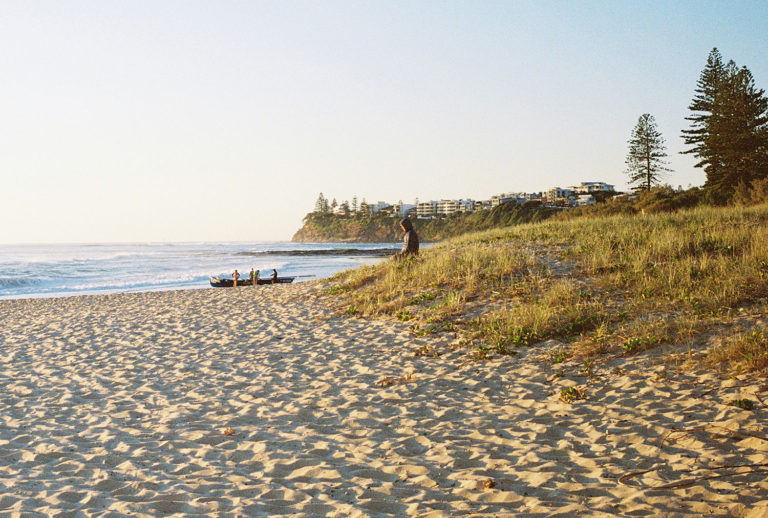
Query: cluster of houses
x=575, y=196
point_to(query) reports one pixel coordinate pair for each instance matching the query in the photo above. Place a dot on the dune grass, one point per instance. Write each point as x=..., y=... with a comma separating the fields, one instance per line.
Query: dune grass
x=742, y=352
x=620, y=284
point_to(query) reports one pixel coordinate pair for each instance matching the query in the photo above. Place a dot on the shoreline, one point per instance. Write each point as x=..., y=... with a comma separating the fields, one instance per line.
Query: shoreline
x=218, y=401
x=57, y=271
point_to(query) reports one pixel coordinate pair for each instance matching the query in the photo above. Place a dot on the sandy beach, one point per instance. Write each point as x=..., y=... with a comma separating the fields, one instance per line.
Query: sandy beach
x=261, y=402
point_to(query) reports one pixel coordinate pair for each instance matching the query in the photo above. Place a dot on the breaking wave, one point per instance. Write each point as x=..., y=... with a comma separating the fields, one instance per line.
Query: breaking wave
x=18, y=282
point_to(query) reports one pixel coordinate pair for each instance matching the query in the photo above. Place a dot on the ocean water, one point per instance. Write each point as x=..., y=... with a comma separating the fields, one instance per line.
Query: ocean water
x=63, y=270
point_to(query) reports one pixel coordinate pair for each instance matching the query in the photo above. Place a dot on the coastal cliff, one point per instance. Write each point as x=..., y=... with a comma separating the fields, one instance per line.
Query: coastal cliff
x=329, y=228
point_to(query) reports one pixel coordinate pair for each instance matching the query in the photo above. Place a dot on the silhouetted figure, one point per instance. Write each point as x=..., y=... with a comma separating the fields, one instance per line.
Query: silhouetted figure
x=410, y=240
x=274, y=276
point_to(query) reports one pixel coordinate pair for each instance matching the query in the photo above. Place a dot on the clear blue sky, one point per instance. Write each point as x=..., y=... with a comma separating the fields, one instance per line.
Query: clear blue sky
x=222, y=121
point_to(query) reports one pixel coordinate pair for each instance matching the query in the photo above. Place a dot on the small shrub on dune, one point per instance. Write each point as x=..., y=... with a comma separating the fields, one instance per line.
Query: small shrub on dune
x=571, y=394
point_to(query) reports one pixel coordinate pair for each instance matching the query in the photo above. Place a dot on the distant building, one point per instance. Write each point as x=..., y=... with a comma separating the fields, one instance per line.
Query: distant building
x=379, y=206
x=532, y=196
x=558, y=194
x=427, y=210
x=559, y=197
x=502, y=198
x=590, y=187
x=584, y=199
x=403, y=209
x=446, y=207
x=466, y=205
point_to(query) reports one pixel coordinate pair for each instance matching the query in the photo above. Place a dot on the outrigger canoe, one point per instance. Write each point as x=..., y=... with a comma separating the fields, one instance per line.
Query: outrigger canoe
x=219, y=282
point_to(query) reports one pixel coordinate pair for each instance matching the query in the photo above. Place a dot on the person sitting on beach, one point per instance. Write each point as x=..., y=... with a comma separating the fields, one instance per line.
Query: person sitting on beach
x=410, y=240
x=274, y=276
x=235, y=276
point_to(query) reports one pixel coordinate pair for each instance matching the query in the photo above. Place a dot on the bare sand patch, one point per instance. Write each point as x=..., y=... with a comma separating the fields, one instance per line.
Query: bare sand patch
x=257, y=401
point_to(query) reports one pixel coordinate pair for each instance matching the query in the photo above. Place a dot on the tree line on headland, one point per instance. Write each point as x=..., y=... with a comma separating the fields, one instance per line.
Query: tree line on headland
x=727, y=134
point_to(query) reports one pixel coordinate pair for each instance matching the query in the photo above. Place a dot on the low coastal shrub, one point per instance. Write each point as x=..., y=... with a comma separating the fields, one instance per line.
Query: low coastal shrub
x=559, y=356
x=571, y=394
x=744, y=404
x=636, y=344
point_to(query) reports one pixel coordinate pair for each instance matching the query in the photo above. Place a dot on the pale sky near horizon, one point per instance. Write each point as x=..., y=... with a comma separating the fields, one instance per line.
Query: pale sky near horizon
x=150, y=121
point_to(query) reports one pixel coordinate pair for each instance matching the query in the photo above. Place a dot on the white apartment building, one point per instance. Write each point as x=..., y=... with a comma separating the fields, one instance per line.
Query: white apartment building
x=502, y=198
x=466, y=205
x=426, y=209
x=403, y=209
x=590, y=187
x=445, y=207
x=556, y=193
x=584, y=199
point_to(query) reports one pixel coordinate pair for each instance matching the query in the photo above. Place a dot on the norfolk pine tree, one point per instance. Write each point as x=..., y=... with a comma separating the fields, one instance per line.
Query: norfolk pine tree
x=321, y=205
x=742, y=133
x=645, y=159
x=729, y=127
x=703, y=106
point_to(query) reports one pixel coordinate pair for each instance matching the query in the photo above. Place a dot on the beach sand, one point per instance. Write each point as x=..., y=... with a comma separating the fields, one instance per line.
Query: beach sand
x=258, y=401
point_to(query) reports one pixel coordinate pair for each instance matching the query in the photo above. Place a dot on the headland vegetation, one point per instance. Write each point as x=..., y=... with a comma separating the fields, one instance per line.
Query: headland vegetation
x=322, y=227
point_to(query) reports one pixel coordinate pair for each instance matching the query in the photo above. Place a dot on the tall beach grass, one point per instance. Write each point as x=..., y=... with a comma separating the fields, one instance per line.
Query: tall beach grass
x=621, y=283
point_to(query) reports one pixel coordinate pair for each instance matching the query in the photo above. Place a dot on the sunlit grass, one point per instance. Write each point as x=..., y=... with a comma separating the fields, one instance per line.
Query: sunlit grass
x=619, y=283
x=743, y=352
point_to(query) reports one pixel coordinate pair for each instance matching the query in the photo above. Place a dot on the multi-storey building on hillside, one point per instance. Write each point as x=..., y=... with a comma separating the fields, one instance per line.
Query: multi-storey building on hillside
x=590, y=187
x=426, y=210
x=403, y=209
x=558, y=194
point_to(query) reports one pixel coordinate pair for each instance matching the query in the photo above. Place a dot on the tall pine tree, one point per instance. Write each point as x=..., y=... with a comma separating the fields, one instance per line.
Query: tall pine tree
x=741, y=132
x=703, y=107
x=645, y=158
x=729, y=127
x=321, y=205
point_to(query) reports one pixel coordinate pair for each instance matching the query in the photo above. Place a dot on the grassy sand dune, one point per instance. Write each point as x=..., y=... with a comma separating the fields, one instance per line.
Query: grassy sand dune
x=605, y=285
